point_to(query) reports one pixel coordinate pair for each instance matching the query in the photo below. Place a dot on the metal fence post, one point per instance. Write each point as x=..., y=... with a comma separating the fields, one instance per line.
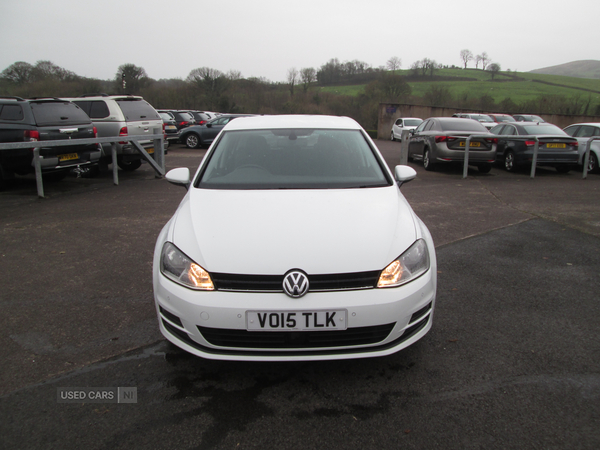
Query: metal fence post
x=536, y=147
x=159, y=152
x=404, y=137
x=466, y=162
x=38, y=172
x=115, y=167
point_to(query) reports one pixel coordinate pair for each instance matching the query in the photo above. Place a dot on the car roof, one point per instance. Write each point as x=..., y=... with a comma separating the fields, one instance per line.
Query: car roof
x=293, y=121
x=593, y=124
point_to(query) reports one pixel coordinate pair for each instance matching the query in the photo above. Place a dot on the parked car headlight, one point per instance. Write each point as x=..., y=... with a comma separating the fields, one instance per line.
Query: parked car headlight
x=413, y=263
x=175, y=265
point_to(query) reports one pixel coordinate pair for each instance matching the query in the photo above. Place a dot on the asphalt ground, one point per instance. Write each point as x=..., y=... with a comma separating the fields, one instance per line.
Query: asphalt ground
x=512, y=360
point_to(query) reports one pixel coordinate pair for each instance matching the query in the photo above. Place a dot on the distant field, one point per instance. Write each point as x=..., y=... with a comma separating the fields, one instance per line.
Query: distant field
x=530, y=86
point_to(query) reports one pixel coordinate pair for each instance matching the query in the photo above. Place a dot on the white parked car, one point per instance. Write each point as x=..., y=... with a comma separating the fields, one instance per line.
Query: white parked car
x=583, y=132
x=484, y=119
x=294, y=242
x=404, y=123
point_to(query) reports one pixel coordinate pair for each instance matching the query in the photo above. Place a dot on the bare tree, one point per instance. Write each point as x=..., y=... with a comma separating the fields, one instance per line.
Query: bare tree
x=18, y=73
x=484, y=59
x=477, y=61
x=292, y=76
x=466, y=56
x=307, y=75
x=394, y=63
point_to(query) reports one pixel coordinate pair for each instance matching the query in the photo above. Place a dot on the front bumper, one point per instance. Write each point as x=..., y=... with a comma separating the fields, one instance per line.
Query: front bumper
x=213, y=324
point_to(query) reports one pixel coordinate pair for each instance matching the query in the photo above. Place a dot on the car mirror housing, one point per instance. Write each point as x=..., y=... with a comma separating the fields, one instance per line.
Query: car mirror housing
x=179, y=176
x=404, y=174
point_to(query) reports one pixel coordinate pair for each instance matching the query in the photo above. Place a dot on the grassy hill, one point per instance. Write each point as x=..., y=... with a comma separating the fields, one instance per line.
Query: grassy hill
x=518, y=86
x=582, y=69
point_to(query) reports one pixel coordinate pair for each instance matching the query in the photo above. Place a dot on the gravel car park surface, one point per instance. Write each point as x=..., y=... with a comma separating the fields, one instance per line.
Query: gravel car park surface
x=511, y=360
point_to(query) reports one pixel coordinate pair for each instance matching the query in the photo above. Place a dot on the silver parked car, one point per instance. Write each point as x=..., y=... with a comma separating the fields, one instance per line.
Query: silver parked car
x=443, y=139
x=583, y=132
x=122, y=115
x=404, y=123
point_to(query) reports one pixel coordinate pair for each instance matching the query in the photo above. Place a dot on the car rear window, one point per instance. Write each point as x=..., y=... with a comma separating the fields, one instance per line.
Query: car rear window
x=58, y=113
x=138, y=110
x=292, y=159
x=543, y=129
x=462, y=125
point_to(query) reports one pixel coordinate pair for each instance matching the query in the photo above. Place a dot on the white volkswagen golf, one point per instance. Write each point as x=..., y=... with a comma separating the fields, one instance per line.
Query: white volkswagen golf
x=294, y=242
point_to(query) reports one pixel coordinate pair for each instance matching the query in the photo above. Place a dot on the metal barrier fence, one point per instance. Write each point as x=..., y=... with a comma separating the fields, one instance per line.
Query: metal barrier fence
x=406, y=135
x=157, y=163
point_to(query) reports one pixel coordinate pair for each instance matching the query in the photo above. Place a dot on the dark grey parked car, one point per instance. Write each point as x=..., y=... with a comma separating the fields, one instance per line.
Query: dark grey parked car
x=442, y=140
x=202, y=135
x=556, y=148
x=44, y=119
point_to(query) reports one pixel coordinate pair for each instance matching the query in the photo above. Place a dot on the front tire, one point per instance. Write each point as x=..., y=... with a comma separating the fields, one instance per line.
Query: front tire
x=392, y=138
x=192, y=140
x=593, y=163
x=427, y=163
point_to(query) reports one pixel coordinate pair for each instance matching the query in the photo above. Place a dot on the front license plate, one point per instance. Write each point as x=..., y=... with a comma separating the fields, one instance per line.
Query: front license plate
x=68, y=157
x=296, y=320
x=472, y=144
x=556, y=145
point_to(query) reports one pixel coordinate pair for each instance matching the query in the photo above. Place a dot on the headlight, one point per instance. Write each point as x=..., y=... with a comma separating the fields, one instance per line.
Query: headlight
x=178, y=267
x=413, y=263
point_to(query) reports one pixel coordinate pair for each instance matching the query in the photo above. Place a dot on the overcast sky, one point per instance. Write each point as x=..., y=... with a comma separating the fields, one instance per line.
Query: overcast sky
x=265, y=38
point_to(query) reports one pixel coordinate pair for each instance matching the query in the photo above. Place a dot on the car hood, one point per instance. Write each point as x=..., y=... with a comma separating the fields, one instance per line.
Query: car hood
x=273, y=231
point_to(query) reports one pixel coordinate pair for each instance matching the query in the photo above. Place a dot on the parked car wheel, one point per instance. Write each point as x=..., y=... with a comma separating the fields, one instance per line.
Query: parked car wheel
x=392, y=138
x=484, y=168
x=509, y=161
x=192, y=140
x=427, y=164
x=593, y=163
x=129, y=166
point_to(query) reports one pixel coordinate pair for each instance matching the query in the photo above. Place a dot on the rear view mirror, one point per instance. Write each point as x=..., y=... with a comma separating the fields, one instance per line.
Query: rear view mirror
x=404, y=174
x=179, y=176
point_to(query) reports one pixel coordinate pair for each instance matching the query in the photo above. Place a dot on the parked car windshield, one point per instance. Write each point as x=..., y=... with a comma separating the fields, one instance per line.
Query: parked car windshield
x=462, y=125
x=543, y=129
x=292, y=159
x=58, y=113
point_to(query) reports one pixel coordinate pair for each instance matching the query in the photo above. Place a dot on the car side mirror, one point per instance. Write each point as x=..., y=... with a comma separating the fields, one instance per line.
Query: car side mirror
x=404, y=174
x=179, y=176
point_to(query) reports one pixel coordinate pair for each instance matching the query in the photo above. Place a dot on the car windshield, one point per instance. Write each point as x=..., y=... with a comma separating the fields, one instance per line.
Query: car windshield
x=292, y=159
x=543, y=129
x=412, y=122
x=482, y=118
x=504, y=119
x=462, y=125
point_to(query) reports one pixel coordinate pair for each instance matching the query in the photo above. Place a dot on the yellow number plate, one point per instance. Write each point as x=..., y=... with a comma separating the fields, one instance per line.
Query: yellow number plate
x=556, y=145
x=68, y=156
x=150, y=150
x=472, y=144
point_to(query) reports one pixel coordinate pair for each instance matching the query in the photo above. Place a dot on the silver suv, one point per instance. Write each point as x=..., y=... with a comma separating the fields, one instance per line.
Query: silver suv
x=122, y=115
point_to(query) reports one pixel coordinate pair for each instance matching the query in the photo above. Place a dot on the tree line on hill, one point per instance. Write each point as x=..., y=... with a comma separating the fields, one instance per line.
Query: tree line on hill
x=209, y=89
